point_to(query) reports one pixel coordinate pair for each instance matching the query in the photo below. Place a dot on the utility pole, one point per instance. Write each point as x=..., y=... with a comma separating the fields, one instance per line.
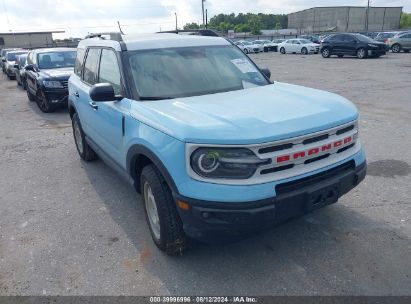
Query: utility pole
x=367, y=13
x=176, y=21
x=206, y=23
x=202, y=9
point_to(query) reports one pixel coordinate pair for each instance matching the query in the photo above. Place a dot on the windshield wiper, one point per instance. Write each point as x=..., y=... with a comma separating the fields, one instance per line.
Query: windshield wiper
x=154, y=97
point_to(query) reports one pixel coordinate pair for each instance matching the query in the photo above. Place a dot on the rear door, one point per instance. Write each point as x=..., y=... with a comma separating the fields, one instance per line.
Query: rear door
x=350, y=44
x=337, y=44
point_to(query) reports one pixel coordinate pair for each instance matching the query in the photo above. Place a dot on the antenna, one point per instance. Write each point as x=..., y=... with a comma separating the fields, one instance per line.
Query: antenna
x=119, y=27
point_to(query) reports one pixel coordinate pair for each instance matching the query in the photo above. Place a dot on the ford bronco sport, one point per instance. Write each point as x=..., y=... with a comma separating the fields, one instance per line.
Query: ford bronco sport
x=212, y=145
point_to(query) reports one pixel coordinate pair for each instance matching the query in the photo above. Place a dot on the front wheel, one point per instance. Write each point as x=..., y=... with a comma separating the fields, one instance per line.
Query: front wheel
x=30, y=96
x=304, y=51
x=163, y=219
x=282, y=50
x=326, y=53
x=83, y=149
x=396, y=48
x=361, y=53
x=43, y=103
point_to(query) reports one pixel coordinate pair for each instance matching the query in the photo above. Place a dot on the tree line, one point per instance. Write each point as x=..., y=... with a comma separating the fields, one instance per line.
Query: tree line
x=249, y=23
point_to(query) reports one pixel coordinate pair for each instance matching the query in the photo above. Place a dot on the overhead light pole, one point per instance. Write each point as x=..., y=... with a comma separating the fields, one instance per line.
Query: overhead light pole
x=176, y=21
x=202, y=9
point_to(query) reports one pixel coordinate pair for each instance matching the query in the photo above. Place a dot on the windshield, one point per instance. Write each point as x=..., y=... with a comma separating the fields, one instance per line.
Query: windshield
x=53, y=60
x=364, y=38
x=305, y=41
x=191, y=71
x=12, y=55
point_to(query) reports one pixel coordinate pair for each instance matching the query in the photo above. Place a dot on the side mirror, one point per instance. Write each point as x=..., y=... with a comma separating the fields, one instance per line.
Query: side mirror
x=266, y=72
x=103, y=92
x=30, y=67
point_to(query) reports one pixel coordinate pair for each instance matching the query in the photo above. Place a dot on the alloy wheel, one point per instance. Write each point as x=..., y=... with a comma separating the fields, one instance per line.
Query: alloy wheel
x=151, y=209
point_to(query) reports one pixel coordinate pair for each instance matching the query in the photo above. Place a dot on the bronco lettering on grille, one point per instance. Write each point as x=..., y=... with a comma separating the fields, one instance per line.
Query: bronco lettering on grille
x=314, y=151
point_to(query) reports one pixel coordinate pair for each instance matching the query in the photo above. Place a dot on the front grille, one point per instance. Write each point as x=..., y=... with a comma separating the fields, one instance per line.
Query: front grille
x=65, y=84
x=307, y=152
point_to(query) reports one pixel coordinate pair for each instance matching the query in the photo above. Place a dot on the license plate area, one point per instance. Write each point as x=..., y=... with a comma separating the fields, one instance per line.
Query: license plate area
x=321, y=197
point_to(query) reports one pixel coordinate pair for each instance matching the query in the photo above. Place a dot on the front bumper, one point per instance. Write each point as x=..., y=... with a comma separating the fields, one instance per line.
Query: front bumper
x=206, y=219
x=376, y=52
x=57, y=96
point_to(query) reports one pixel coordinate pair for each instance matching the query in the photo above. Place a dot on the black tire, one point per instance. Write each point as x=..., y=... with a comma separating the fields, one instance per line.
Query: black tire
x=246, y=51
x=361, y=53
x=83, y=149
x=396, y=48
x=30, y=96
x=43, y=103
x=340, y=56
x=23, y=84
x=172, y=238
x=326, y=53
x=282, y=50
x=304, y=51
x=265, y=49
x=18, y=82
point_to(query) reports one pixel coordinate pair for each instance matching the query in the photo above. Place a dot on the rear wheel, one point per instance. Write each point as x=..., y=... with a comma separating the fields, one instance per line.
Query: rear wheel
x=361, y=53
x=282, y=50
x=83, y=149
x=304, y=51
x=396, y=48
x=164, y=222
x=325, y=52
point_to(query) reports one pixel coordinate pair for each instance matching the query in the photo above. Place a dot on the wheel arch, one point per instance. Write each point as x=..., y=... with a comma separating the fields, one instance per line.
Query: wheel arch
x=138, y=156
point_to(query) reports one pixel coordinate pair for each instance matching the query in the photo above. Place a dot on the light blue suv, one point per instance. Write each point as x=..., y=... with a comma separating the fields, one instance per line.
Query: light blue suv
x=213, y=145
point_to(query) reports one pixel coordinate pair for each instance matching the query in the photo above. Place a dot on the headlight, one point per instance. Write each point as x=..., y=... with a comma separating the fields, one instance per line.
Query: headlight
x=232, y=163
x=52, y=84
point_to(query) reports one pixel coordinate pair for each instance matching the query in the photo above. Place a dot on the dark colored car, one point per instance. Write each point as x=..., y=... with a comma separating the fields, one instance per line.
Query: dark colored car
x=47, y=74
x=20, y=71
x=351, y=45
x=312, y=38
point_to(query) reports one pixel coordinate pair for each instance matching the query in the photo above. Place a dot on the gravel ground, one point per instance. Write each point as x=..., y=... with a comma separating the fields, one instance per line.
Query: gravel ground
x=74, y=228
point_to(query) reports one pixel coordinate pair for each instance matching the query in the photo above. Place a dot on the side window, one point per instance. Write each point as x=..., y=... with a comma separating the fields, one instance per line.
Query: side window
x=109, y=70
x=78, y=65
x=336, y=38
x=348, y=38
x=91, y=66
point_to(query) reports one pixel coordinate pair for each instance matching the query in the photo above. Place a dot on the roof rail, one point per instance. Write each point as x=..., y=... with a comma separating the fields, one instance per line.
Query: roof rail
x=112, y=36
x=194, y=32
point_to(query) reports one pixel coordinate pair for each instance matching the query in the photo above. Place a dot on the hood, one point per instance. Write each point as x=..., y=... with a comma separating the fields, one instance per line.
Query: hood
x=58, y=73
x=256, y=115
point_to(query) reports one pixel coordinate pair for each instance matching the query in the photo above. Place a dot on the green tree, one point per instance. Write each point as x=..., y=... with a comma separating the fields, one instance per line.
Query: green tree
x=278, y=26
x=405, y=22
x=191, y=26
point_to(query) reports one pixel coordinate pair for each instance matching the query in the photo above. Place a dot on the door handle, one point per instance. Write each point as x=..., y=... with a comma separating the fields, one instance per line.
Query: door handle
x=76, y=94
x=93, y=105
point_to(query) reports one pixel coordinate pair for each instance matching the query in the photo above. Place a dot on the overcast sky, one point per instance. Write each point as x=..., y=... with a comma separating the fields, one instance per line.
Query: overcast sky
x=78, y=17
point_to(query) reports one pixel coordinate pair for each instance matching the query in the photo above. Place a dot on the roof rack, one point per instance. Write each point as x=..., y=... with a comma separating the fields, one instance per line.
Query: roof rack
x=194, y=32
x=111, y=36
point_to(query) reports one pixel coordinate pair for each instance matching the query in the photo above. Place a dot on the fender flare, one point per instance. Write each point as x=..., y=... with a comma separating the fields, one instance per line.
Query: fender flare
x=134, y=152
